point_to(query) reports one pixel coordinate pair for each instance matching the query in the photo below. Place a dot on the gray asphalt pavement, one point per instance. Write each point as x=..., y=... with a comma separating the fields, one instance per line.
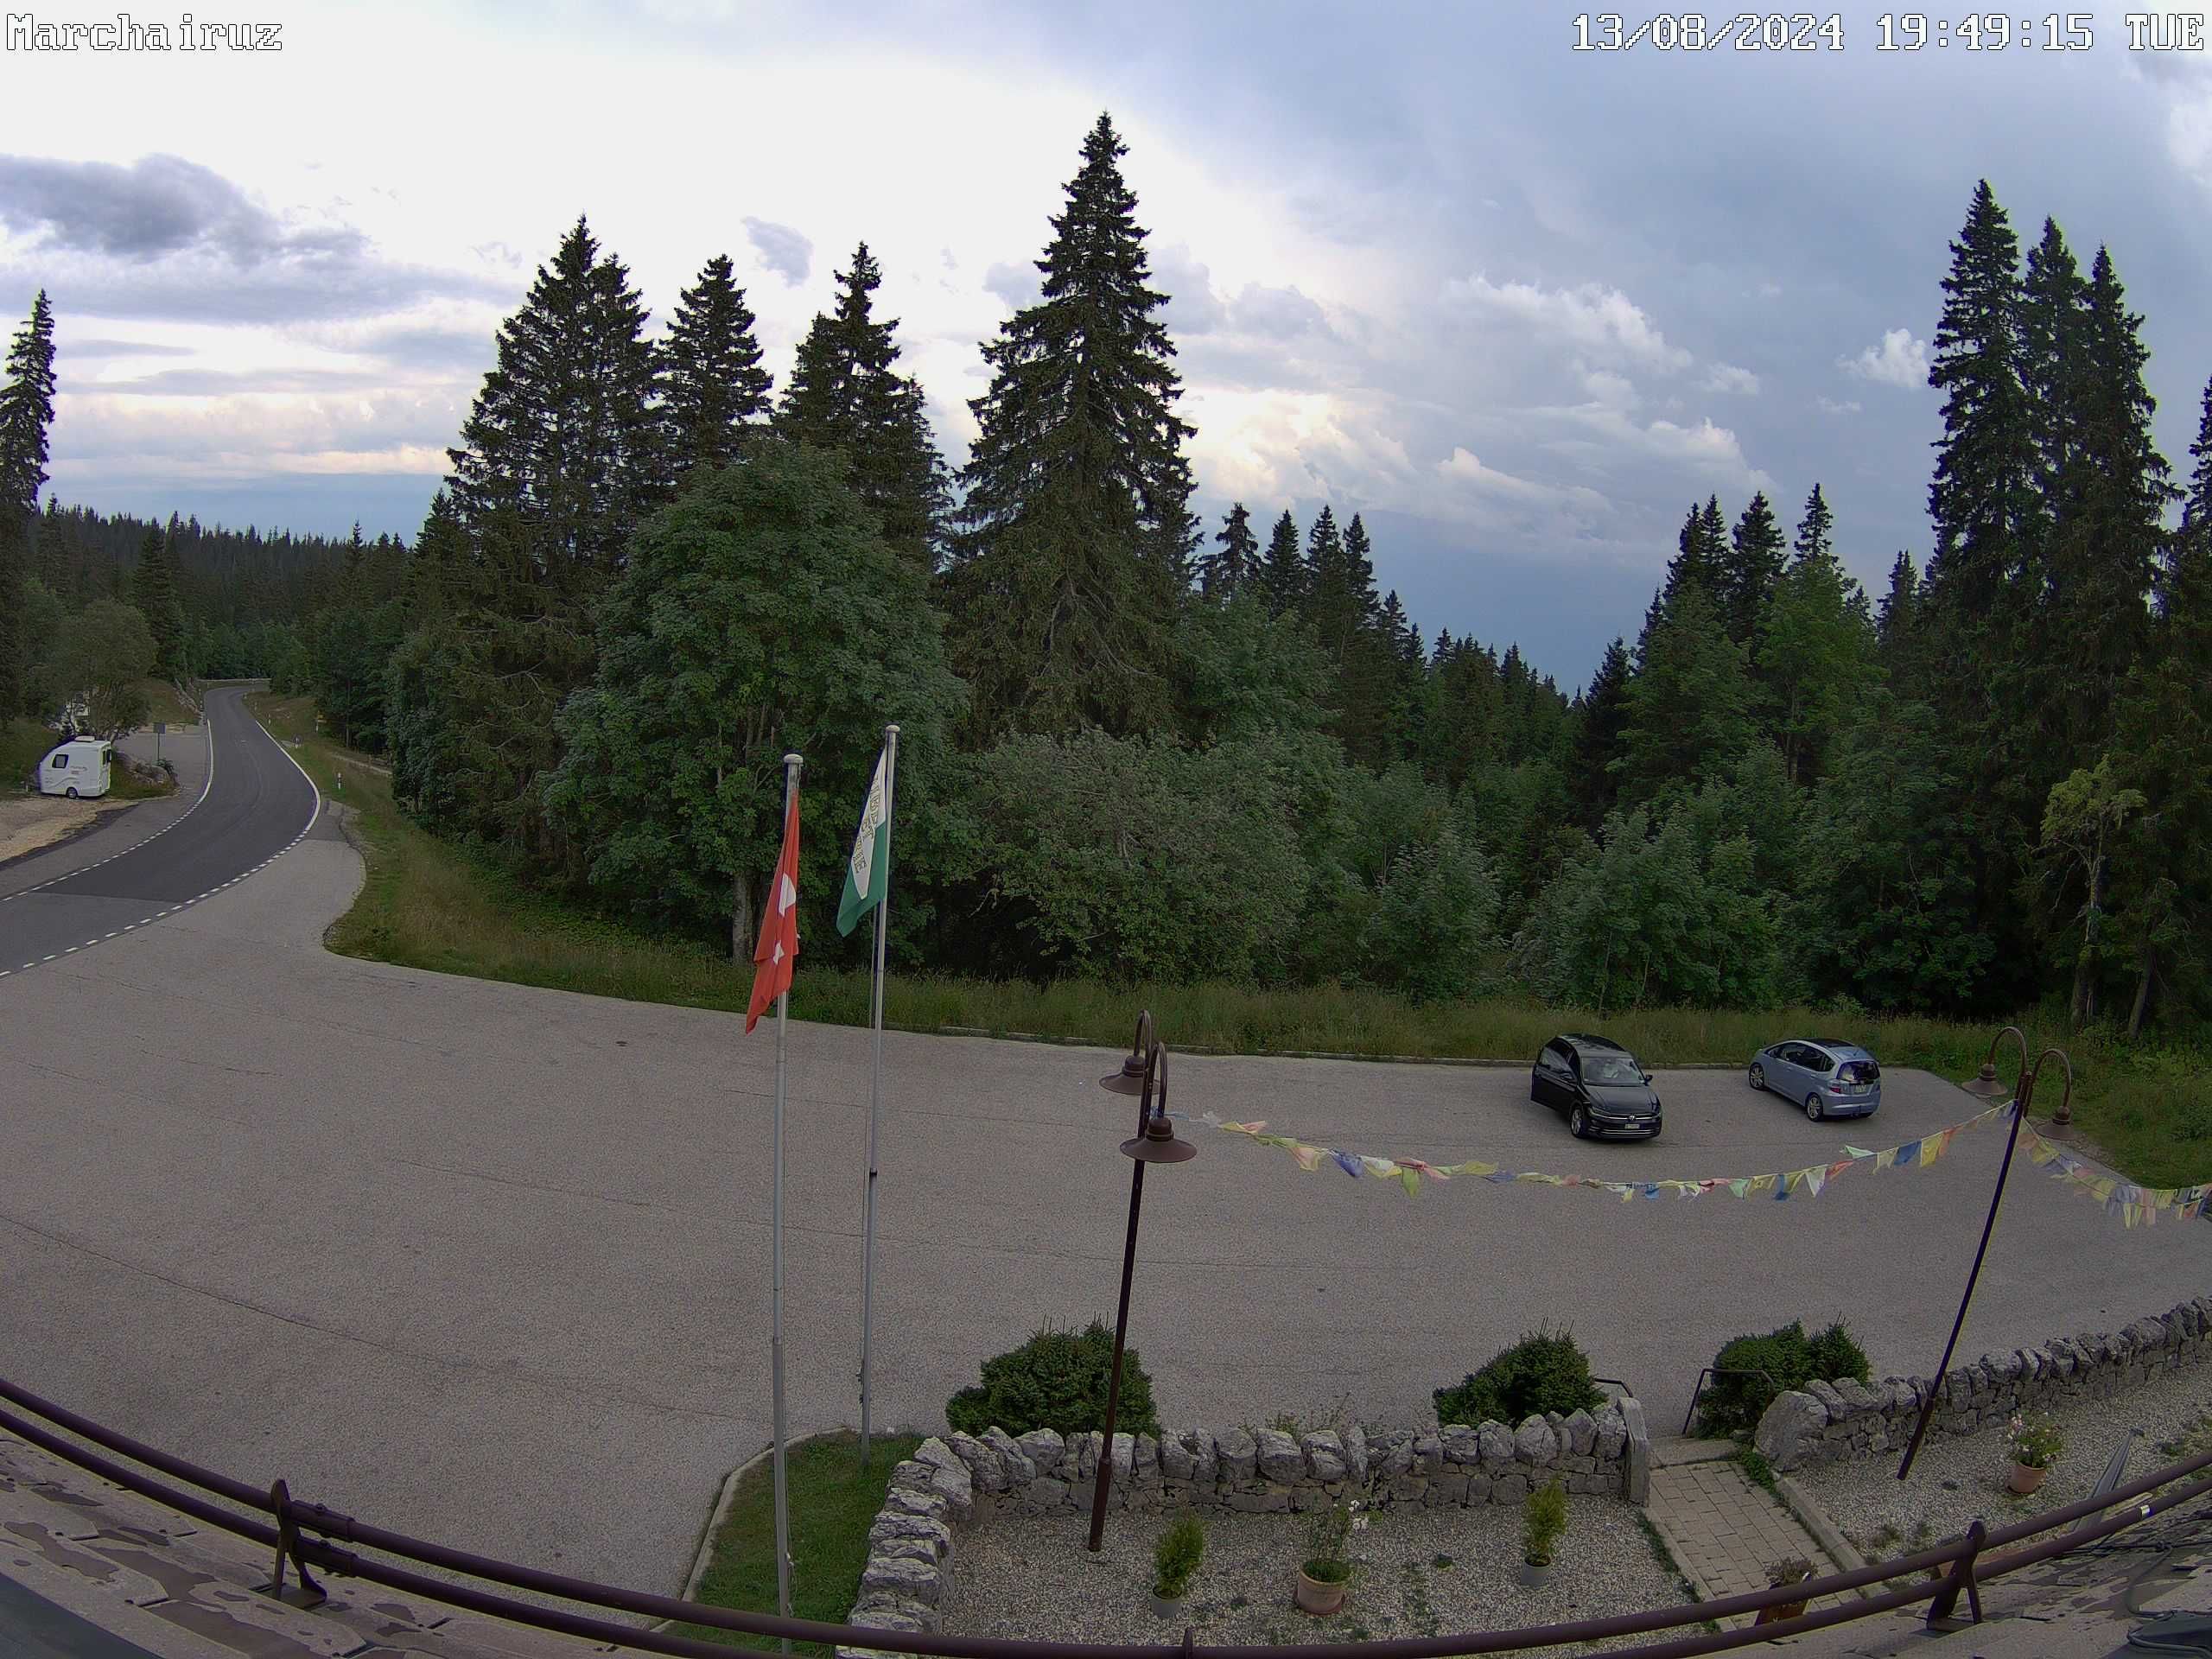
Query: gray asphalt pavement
x=240, y=801
x=490, y=1264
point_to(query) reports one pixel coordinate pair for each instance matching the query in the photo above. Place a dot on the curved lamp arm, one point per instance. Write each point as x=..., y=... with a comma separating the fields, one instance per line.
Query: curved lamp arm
x=2025, y=1083
x=1155, y=1065
x=2065, y=1112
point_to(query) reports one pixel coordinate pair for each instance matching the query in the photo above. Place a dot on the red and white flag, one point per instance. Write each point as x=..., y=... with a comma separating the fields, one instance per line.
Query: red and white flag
x=778, y=946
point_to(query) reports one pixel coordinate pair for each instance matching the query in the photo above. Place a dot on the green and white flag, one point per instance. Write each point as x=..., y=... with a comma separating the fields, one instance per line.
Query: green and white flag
x=868, y=876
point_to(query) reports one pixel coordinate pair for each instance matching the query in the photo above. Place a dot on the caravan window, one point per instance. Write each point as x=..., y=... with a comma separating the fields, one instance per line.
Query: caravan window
x=61, y=761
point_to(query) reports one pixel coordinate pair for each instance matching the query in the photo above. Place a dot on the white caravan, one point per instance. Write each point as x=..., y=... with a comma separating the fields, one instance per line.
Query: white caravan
x=81, y=766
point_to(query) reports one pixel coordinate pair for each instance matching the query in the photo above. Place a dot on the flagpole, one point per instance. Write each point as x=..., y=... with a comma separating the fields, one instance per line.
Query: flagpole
x=791, y=764
x=875, y=1091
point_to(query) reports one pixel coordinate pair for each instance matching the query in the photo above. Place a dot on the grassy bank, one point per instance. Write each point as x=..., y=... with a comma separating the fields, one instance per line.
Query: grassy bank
x=430, y=905
x=23, y=744
x=832, y=1503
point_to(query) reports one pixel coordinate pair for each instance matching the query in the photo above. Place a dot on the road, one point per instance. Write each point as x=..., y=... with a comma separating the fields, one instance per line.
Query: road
x=241, y=801
x=490, y=1264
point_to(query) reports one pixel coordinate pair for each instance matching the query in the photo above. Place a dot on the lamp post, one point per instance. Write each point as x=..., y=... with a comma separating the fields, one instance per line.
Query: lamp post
x=1154, y=1142
x=1129, y=1080
x=1985, y=1086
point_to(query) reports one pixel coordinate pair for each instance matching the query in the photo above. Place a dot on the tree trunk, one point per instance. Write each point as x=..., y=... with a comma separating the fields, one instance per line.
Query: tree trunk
x=741, y=918
x=2143, y=992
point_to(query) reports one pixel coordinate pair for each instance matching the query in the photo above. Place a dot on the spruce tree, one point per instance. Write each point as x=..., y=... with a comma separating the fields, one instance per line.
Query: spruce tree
x=2054, y=346
x=1689, y=703
x=1329, y=604
x=712, y=383
x=1075, y=531
x=1283, y=575
x=562, y=453
x=26, y=416
x=154, y=591
x=1896, y=621
x=2108, y=528
x=1700, y=551
x=1227, y=573
x=846, y=395
x=1982, y=497
x=1601, y=722
x=1752, y=565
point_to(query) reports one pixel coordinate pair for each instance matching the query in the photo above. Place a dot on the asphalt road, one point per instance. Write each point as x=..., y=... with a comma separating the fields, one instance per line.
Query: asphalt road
x=240, y=802
x=490, y=1264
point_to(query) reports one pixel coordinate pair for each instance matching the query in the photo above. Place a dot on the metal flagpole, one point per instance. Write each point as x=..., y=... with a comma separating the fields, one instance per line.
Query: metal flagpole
x=792, y=764
x=875, y=1091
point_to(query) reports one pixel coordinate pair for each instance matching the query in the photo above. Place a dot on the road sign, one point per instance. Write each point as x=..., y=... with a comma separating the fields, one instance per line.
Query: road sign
x=159, y=726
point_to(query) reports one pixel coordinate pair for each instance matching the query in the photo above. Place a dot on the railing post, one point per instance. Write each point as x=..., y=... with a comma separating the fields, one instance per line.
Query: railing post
x=309, y=1593
x=1960, y=1577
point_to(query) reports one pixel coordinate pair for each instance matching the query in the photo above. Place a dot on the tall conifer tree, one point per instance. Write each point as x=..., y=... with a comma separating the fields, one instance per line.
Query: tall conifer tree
x=1076, y=529
x=1753, y=563
x=1600, y=730
x=26, y=416
x=712, y=383
x=846, y=394
x=1230, y=571
x=1283, y=575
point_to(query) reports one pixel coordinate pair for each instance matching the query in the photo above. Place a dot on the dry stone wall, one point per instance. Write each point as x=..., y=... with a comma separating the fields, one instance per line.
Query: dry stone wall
x=1826, y=1423
x=956, y=1480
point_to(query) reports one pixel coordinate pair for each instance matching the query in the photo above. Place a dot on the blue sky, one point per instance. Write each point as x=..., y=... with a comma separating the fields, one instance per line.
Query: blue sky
x=1518, y=305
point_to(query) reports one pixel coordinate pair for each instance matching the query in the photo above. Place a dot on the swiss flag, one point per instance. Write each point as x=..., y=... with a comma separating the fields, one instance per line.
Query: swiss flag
x=778, y=946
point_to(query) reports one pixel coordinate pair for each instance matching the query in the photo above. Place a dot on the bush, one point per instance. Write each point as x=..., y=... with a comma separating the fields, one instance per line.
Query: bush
x=1543, y=1520
x=1175, y=1557
x=1734, y=1404
x=1546, y=1370
x=1057, y=1380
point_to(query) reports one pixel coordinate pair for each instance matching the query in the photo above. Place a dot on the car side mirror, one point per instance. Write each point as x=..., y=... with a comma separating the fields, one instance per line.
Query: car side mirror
x=1647, y=1076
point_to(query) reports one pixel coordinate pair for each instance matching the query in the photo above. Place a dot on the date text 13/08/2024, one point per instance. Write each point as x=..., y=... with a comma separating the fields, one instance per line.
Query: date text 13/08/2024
x=1891, y=31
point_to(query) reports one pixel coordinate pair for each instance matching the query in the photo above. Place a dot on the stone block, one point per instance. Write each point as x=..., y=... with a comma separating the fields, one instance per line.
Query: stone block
x=1827, y=1397
x=1509, y=1489
x=1147, y=1461
x=1239, y=1455
x=1176, y=1463
x=906, y=1500
x=1259, y=1503
x=1206, y=1465
x=1448, y=1488
x=933, y=1535
x=1356, y=1464
x=1788, y=1429
x=1020, y=1468
x=1325, y=1455
x=1428, y=1452
x=1636, y=1481
x=1461, y=1444
x=1496, y=1443
x=1612, y=1433
x=1478, y=1487
x=1045, y=1448
x=983, y=1467
x=939, y=1454
x=898, y=1576
x=1581, y=1434
x=1537, y=1441
x=1044, y=1493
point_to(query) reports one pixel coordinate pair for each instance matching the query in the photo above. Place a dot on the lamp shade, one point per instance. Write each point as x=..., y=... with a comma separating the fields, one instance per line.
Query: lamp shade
x=1985, y=1085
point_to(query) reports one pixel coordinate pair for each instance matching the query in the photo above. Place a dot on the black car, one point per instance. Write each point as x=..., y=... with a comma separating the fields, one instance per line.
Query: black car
x=1599, y=1085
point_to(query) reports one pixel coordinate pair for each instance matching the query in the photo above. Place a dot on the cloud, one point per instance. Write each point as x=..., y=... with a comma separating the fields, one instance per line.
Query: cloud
x=782, y=249
x=1601, y=320
x=102, y=348
x=1017, y=283
x=1899, y=360
x=225, y=383
x=1193, y=308
x=1828, y=405
x=1727, y=377
x=160, y=205
x=1462, y=467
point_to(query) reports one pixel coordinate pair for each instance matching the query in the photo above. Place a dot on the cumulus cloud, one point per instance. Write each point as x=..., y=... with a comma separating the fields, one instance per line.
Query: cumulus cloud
x=1828, y=405
x=105, y=348
x=1016, y=282
x=1600, y=321
x=159, y=204
x=1727, y=377
x=781, y=248
x=1899, y=360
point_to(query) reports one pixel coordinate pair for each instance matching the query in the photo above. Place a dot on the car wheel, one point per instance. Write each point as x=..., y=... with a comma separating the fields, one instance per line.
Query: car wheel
x=1812, y=1111
x=1758, y=1075
x=71, y=791
x=1578, y=1125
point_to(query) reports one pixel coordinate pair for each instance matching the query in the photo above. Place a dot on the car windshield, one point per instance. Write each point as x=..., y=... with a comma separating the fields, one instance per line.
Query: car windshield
x=1607, y=1069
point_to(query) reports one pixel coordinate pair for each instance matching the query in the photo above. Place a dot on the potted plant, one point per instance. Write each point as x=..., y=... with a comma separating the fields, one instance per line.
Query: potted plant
x=1325, y=1578
x=2036, y=1444
x=1796, y=1570
x=1543, y=1519
x=1174, y=1560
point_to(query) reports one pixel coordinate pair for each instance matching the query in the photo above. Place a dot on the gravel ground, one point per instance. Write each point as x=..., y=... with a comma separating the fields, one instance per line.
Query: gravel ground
x=1420, y=1573
x=1957, y=1479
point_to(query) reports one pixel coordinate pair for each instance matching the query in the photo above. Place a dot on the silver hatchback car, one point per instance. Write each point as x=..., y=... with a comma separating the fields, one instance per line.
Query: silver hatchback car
x=1826, y=1077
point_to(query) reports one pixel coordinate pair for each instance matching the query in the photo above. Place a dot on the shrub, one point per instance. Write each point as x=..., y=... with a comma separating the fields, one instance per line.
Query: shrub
x=1733, y=1404
x=1056, y=1380
x=1328, y=1542
x=1543, y=1520
x=1175, y=1557
x=1546, y=1370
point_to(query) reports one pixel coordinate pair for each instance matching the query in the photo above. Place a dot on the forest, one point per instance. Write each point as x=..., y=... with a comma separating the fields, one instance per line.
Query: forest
x=1135, y=745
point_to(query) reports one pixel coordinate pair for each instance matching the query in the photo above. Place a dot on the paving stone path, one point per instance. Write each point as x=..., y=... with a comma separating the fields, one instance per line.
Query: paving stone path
x=1725, y=1532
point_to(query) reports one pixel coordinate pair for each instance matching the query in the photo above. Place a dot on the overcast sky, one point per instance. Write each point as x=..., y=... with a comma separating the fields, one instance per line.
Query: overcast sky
x=1517, y=304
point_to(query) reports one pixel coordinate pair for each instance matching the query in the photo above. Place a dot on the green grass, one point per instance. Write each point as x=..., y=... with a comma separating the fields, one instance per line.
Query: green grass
x=23, y=744
x=832, y=1504
x=127, y=785
x=428, y=904
x=1756, y=1466
x=164, y=703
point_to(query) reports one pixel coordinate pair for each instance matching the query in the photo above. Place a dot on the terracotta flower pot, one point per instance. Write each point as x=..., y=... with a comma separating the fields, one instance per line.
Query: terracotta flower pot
x=2026, y=1480
x=1322, y=1597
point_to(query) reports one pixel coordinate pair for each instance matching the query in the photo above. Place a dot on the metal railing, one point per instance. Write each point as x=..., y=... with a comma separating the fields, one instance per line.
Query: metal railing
x=303, y=1533
x=1711, y=1371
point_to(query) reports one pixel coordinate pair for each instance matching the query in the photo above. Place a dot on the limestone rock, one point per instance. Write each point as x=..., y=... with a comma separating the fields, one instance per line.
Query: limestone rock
x=1325, y=1453
x=1461, y=1444
x=1020, y=1468
x=1239, y=1453
x=898, y=1576
x=1045, y=1448
x=1280, y=1458
x=1537, y=1441
x=1496, y=1443
x=983, y=1463
x=1612, y=1433
x=1581, y=1433
x=1790, y=1427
